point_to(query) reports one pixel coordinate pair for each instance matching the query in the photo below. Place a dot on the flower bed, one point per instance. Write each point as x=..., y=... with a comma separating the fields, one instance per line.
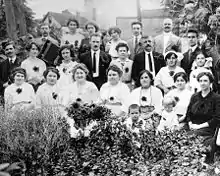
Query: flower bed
x=41, y=143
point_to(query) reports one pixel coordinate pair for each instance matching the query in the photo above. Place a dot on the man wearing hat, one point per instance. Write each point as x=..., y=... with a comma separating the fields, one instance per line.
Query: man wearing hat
x=8, y=64
x=190, y=55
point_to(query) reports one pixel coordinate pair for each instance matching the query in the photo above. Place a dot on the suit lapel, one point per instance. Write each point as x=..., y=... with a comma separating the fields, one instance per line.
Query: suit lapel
x=90, y=61
x=169, y=42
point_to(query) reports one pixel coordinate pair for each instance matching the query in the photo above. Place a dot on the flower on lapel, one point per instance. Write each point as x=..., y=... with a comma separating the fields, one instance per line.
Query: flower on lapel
x=36, y=69
x=111, y=98
x=171, y=73
x=54, y=95
x=126, y=70
x=18, y=90
x=144, y=98
x=177, y=99
x=64, y=70
x=78, y=100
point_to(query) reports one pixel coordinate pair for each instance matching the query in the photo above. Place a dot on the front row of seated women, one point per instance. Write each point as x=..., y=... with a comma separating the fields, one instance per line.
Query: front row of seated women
x=200, y=111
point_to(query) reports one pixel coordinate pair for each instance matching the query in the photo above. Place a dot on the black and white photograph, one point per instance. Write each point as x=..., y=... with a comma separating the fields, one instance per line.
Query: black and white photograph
x=109, y=88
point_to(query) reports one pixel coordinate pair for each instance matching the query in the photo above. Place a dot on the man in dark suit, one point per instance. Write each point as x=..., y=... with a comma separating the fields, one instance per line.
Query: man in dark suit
x=147, y=60
x=7, y=65
x=190, y=55
x=96, y=61
x=134, y=41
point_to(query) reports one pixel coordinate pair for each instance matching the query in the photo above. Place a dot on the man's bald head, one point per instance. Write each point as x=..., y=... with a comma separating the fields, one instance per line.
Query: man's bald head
x=167, y=25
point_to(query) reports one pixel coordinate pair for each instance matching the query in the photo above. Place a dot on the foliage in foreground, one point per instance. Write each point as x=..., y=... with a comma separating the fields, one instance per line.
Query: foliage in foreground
x=40, y=142
x=33, y=139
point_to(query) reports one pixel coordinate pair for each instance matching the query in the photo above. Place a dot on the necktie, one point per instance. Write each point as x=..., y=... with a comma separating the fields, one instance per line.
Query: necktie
x=10, y=62
x=150, y=63
x=135, y=45
x=94, y=63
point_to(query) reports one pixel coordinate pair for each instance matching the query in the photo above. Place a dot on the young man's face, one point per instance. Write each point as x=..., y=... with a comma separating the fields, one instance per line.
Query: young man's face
x=95, y=43
x=122, y=52
x=136, y=29
x=10, y=51
x=192, y=38
x=134, y=114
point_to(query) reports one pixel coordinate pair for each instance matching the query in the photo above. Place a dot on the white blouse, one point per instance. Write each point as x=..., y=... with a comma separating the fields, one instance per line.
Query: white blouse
x=126, y=67
x=48, y=95
x=194, y=84
x=153, y=97
x=184, y=97
x=15, y=95
x=87, y=93
x=168, y=120
x=164, y=78
x=34, y=68
x=114, y=96
x=66, y=76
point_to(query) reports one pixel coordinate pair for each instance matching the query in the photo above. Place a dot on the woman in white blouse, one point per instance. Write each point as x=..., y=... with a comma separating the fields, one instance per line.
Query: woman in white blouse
x=19, y=95
x=114, y=94
x=66, y=67
x=147, y=95
x=124, y=63
x=34, y=66
x=164, y=78
x=80, y=90
x=48, y=94
x=182, y=94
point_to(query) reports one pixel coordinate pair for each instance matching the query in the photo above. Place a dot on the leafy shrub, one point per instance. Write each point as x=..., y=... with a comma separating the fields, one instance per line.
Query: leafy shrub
x=112, y=149
x=41, y=141
x=34, y=138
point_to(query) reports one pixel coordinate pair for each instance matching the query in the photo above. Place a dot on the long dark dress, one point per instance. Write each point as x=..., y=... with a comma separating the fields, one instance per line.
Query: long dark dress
x=205, y=109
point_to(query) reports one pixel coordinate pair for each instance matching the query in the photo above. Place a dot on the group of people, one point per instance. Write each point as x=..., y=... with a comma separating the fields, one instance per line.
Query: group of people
x=137, y=77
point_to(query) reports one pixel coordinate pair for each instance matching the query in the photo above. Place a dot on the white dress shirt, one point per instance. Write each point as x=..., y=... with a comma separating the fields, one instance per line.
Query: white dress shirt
x=12, y=59
x=193, y=48
x=97, y=55
x=165, y=40
x=134, y=39
x=147, y=64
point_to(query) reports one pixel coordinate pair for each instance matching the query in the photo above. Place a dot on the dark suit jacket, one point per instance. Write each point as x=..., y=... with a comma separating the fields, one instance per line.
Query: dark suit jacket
x=139, y=64
x=5, y=71
x=186, y=62
x=104, y=61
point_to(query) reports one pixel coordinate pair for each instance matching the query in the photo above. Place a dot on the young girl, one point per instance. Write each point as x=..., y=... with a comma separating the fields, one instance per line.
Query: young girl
x=201, y=64
x=66, y=67
x=169, y=118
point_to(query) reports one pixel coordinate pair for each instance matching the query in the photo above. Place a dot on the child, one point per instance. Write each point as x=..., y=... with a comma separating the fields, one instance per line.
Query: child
x=150, y=117
x=134, y=122
x=201, y=64
x=169, y=118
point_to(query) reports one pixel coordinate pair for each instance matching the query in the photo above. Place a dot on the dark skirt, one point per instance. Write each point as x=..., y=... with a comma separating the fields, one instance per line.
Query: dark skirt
x=209, y=135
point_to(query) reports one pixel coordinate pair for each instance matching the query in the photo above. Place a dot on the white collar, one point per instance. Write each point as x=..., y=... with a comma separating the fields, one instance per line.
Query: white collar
x=146, y=52
x=138, y=37
x=193, y=48
x=167, y=33
x=12, y=59
x=97, y=52
x=126, y=60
